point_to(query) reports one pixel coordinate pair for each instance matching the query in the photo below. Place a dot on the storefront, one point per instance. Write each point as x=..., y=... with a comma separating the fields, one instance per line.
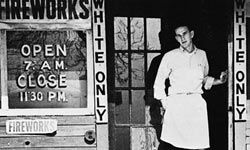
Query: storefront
x=53, y=75
x=77, y=76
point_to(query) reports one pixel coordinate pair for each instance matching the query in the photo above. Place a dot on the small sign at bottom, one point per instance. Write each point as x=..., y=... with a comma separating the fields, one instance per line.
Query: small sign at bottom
x=31, y=126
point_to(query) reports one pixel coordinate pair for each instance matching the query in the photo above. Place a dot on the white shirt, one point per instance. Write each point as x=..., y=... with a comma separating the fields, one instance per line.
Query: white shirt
x=186, y=71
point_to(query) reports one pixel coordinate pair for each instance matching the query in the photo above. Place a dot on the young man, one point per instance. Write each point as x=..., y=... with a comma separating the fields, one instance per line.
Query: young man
x=185, y=123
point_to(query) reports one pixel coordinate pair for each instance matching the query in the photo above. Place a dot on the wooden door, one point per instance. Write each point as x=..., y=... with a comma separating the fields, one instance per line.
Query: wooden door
x=135, y=44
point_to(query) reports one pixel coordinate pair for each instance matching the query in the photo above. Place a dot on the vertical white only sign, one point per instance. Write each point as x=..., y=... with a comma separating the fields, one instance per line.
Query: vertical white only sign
x=239, y=60
x=100, y=60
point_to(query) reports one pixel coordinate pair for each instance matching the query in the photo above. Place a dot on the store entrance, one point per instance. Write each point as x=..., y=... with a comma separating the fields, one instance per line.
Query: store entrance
x=211, y=34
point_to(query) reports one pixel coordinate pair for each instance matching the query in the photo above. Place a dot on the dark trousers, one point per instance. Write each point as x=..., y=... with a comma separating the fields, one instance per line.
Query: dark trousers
x=166, y=146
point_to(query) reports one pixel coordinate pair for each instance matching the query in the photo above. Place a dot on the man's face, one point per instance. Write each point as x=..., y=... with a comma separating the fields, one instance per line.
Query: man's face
x=184, y=36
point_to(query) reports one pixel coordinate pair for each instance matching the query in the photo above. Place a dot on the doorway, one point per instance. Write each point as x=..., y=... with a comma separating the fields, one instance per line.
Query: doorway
x=128, y=112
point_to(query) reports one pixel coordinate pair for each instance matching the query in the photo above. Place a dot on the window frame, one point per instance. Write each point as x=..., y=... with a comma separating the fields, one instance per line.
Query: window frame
x=6, y=111
x=130, y=87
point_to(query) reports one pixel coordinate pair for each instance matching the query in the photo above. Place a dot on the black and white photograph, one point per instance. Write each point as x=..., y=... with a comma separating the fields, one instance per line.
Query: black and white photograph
x=124, y=74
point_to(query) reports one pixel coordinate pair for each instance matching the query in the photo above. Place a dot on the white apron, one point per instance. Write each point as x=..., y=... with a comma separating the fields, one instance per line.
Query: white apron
x=185, y=123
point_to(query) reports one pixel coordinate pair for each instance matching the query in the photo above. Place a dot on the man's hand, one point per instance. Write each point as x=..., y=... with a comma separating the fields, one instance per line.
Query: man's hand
x=223, y=76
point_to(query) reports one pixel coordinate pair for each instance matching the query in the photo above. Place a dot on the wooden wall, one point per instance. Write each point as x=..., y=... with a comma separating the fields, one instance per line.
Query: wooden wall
x=70, y=134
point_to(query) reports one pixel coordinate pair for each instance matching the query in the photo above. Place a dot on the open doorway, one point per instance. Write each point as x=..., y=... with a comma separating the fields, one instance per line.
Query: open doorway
x=212, y=20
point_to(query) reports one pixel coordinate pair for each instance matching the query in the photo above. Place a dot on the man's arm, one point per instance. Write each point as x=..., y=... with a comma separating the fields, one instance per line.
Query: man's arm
x=162, y=74
x=210, y=81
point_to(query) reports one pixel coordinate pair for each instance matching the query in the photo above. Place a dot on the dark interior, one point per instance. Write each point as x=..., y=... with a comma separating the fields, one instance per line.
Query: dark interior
x=212, y=21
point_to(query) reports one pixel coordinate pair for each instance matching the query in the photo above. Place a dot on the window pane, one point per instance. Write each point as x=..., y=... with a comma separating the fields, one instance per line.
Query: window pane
x=153, y=29
x=121, y=33
x=137, y=33
x=138, y=107
x=152, y=135
x=121, y=69
x=138, y=139
x=122, y=109
x=137, y=61
x=47, y=69
x=122, y=139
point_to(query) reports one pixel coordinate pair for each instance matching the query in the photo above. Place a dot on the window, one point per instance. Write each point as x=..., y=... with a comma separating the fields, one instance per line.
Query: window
x=46, y=72
x=136, y=44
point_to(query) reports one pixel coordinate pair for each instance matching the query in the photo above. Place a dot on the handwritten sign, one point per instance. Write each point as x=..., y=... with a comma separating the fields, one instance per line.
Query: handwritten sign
x=47, y=69
x=26, y=126
x=41, y=80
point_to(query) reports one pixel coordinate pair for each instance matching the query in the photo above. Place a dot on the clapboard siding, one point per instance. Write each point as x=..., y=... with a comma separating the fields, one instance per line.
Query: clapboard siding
x=61, y=148
x=62, y=120
x=69, y=135
x=47, y=142
x=61, y=131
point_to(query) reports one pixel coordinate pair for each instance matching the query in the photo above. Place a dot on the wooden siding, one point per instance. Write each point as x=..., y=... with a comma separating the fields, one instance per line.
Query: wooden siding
x=69, y=135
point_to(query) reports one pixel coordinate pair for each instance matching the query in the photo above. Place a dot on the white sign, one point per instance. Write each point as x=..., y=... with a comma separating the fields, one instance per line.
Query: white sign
x=26, y=126
x=101, y=101
x=240, y=60
x=73, y=13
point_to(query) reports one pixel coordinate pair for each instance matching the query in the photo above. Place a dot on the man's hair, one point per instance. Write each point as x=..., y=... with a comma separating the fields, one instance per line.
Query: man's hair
x=182, y=23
